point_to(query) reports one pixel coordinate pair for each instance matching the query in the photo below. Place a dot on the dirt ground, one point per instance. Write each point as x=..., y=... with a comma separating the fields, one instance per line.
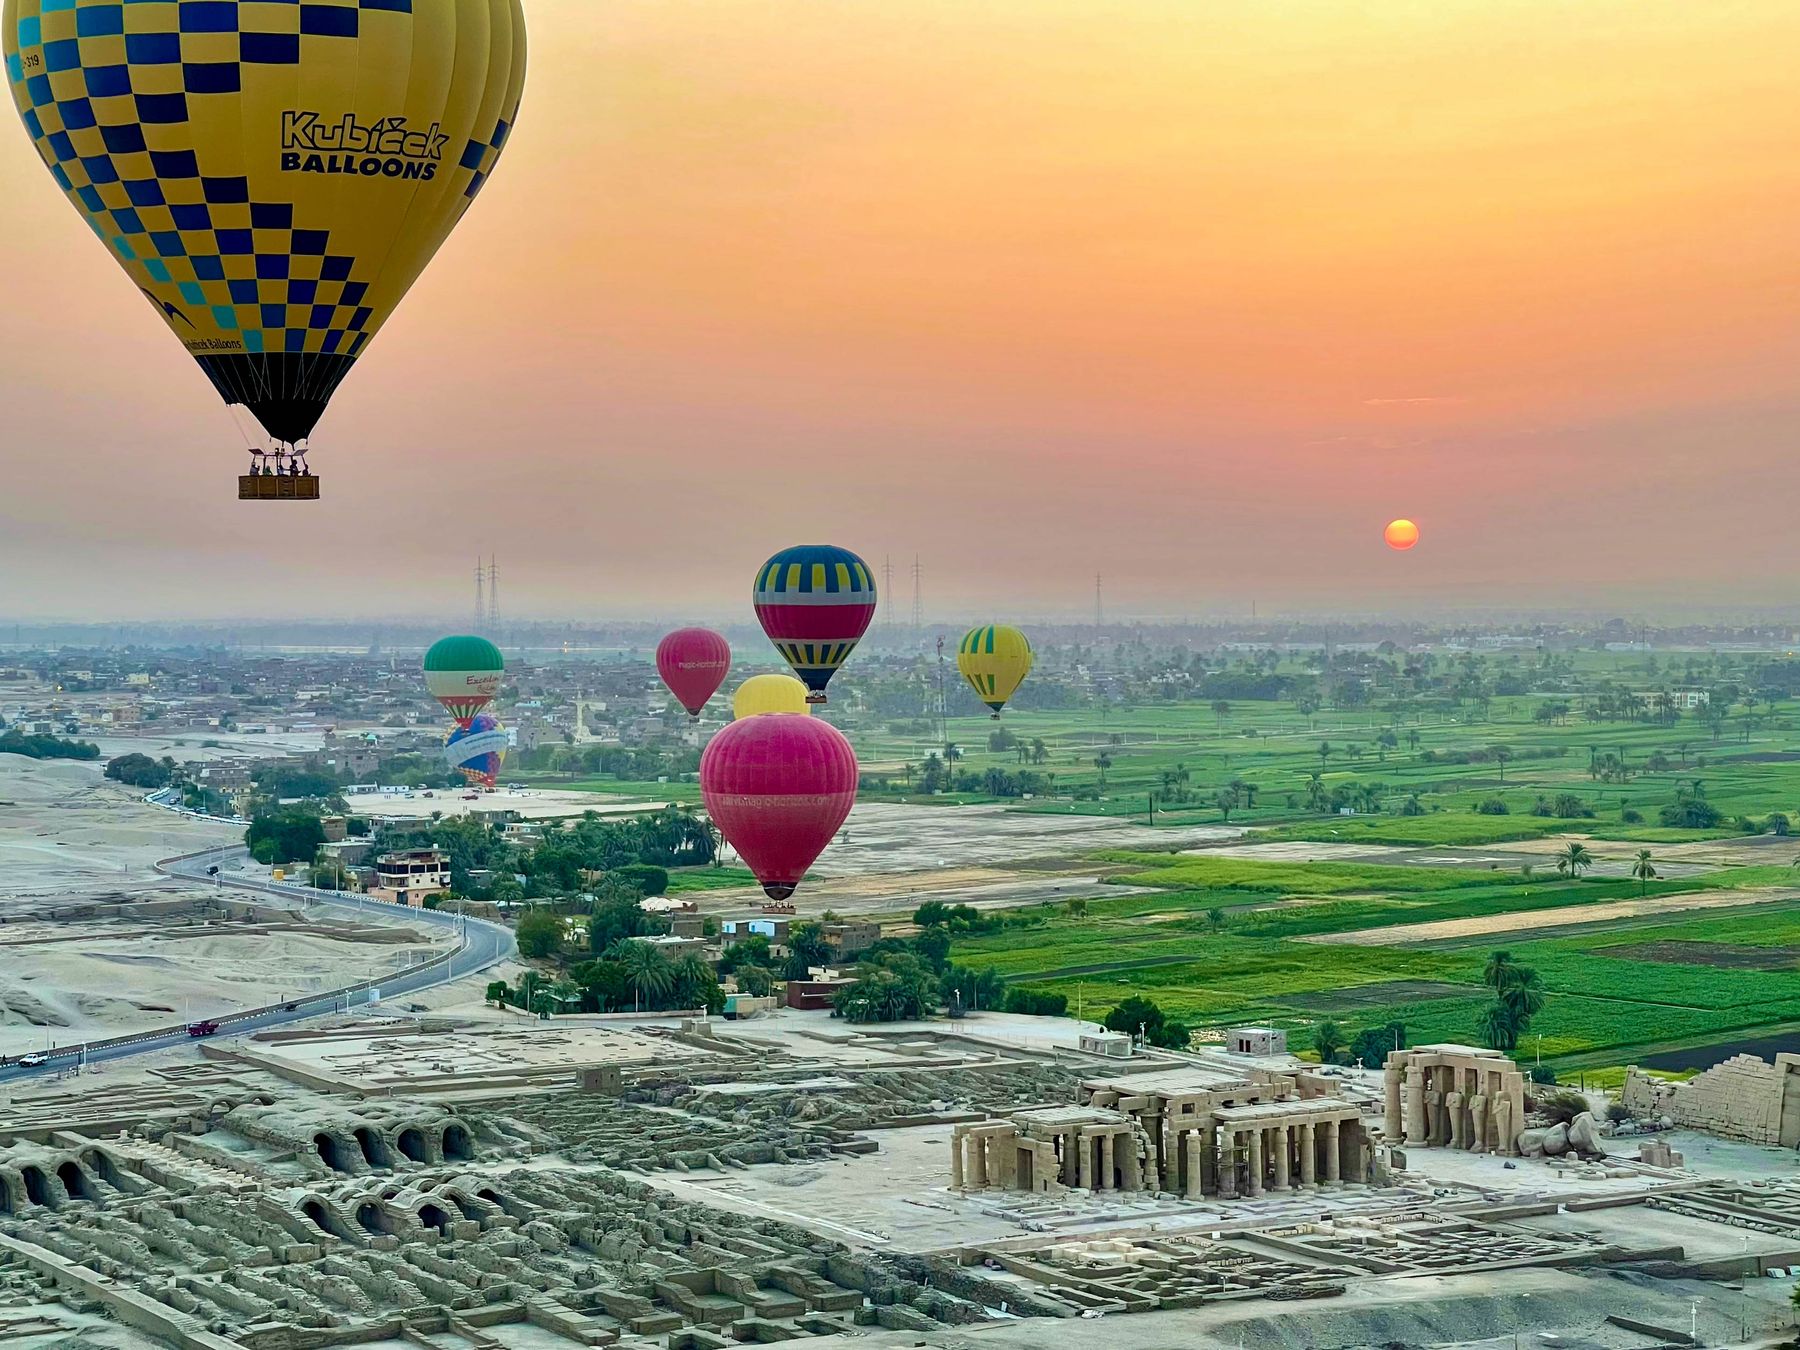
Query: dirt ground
x=1399, y=935
x=1719, y=955
x=69, y=837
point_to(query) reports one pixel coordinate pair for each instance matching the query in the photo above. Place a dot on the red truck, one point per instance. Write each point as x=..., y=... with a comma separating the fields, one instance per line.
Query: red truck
x=202, y=1028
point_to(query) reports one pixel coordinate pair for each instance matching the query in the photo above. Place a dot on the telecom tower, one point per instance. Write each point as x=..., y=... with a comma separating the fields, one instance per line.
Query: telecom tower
x=493, y=588
x=1099, y=612
x=887, y=592
x=480, y=602
x=918, y=622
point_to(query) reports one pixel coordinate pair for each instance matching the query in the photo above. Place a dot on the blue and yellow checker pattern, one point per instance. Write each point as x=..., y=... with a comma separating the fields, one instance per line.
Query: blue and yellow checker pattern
x=221, y=151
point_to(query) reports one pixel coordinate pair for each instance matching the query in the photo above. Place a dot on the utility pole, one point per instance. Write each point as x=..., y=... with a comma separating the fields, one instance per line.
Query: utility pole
x=1099, y=611
x=918, y=615
x=493, y=597
x=480, y=600
x=887, y=592
x=943, y=709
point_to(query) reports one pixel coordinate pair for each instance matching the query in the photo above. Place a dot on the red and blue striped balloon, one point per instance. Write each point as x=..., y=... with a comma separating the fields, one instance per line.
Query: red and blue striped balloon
x=815, y=601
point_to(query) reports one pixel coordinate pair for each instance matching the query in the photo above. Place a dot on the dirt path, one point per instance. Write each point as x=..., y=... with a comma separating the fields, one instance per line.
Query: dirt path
x=1398, y=935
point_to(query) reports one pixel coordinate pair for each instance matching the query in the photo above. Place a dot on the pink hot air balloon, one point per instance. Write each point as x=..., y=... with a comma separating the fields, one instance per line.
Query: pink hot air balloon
x=778, y=787
x=693, y=662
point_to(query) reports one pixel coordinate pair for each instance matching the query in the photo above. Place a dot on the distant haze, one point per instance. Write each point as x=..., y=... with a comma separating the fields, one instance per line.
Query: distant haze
x=1195, y=295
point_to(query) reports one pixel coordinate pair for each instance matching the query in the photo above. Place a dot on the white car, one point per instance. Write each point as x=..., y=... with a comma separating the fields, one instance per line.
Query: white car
x=36, y=1059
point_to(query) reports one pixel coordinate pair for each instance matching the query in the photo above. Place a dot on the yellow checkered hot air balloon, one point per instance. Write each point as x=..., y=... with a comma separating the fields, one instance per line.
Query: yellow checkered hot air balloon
x=995, y=660
x=272, y=174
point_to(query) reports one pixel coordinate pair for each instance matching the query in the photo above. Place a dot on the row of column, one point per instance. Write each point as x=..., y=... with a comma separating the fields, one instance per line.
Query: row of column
x=1092, y=1157
x=1472, y=1107
x=1293, y=1155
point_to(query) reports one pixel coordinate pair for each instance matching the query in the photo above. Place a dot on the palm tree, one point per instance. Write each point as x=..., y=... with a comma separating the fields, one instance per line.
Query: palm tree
x=1523, y=996
x=1328, y=1040
x=1221, y=709
x=1227, y=800
x=1502, y=756
x=647, y=971
x=1497, y=1027
x=1573, y=859
x=1644, y=872
x=1103, y=762
x=1315, y=791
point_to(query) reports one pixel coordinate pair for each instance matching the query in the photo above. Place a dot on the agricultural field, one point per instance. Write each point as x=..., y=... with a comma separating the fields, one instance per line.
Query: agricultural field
x=1377, y=799
x=1225, y=941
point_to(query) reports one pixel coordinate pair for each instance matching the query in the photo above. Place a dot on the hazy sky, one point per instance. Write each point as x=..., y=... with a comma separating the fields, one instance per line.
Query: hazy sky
x=1197, y=293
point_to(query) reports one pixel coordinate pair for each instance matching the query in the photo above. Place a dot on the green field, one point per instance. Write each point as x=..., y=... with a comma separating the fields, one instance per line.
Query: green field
x=1219, y=947
x=1370, y=751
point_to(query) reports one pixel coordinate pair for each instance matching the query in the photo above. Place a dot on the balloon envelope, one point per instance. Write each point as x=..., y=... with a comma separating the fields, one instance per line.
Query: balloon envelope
x=693, y=662
x=995, y=661
x=272, y=177
x=815, y=602
x=463, y=673
x=769, y=694
x=478, y=750
x=1401, y=534
x=778, y=787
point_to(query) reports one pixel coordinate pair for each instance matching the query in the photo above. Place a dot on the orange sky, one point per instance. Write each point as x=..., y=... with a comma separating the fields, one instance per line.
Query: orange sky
x=1197, y=295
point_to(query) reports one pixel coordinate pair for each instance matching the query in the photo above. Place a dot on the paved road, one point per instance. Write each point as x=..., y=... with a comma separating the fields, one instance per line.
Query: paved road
x=481, y=945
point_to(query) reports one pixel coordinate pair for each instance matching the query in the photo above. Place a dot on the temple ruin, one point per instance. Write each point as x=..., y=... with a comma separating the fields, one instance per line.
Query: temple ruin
x=1187, y=1131
x=1454, y=1096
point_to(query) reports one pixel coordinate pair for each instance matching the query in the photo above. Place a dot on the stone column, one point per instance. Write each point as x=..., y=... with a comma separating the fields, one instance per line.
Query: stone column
x=1132, y=1168
x=977, y=1165
x=1085, y=1162
x=1309, y=1155
x=1256, y=1161
x=1191, y=1165
x=1393, y=1096
x=1228, y=1165
x=1333, y=1152
x=1106, y=1161
x=1280, y=1139
x=956, y=1161
x=1415, y=1104
x=1506, y=1127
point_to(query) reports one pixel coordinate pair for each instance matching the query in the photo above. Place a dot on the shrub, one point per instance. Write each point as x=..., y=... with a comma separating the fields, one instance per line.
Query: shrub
x=1562, y=1106
x=649, y=879
x=1035, y=1003
x=540, y=933
x=1691, y=813
x=1492, y=806
x=135, y=770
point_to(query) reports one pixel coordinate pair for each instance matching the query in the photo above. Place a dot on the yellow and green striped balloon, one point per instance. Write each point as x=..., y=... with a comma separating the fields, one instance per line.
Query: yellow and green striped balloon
x=994, y=659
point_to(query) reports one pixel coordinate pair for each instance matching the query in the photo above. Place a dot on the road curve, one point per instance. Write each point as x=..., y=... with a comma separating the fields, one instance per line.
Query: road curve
x=482, y=944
